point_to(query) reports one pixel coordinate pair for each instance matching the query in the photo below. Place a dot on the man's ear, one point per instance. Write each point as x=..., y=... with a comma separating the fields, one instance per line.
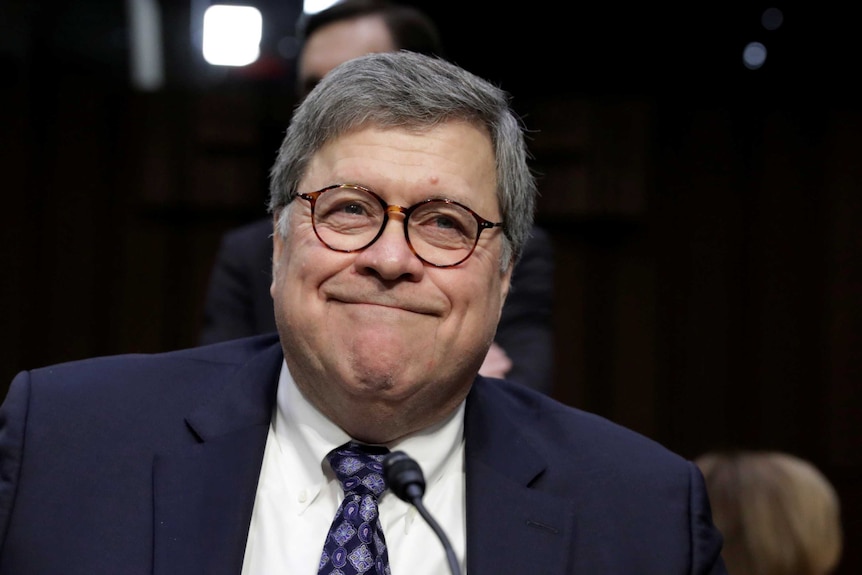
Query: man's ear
x=277, y=247
x=505, y=284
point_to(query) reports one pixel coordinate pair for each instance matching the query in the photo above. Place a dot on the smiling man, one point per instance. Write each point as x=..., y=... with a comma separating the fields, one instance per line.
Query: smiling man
x=401, y=199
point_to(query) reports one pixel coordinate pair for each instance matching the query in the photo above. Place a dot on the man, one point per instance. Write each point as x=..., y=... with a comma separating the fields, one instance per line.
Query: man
x=238, y=302
x=401, y=200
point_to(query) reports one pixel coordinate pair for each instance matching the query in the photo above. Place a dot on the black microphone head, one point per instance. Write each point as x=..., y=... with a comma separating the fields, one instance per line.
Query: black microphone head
x=404, y=476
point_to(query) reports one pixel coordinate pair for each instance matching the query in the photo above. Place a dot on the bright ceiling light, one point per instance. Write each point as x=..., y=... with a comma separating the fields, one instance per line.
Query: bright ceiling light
x=231, y=35
x=315, y=6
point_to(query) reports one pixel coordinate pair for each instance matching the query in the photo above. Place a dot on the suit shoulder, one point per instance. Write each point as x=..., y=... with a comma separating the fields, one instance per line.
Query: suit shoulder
x=567, y=433
x=217, y=356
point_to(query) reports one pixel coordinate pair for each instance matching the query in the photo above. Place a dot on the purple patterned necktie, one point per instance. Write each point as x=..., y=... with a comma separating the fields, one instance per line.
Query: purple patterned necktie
x=355, y=543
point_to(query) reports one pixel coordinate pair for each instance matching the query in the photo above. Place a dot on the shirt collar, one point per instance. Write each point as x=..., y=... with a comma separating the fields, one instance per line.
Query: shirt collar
x=302, y=427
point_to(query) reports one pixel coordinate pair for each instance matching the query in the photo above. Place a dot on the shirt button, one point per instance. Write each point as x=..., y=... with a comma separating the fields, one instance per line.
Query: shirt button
x=303, y=496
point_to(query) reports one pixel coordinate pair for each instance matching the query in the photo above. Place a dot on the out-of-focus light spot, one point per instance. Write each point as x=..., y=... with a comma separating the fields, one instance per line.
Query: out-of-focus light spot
x=145, y=44
x=772, y=18
x=315, y=6
x=231, y=35
x=754, y=55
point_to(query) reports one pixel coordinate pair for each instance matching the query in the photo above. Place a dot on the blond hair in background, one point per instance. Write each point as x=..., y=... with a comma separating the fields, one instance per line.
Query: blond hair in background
x=778, y=513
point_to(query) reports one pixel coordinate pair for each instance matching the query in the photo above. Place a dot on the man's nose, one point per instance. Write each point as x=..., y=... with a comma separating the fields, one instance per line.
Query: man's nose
x=391, y=256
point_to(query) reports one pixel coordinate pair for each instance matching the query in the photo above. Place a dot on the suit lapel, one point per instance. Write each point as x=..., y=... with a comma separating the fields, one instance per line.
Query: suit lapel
x=511, y=527
x=204, y=494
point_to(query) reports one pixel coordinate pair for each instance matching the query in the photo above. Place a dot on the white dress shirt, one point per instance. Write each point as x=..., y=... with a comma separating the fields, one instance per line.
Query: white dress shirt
x=298, y=494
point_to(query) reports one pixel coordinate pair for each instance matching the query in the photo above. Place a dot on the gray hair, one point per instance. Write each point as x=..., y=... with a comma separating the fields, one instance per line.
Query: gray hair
x=409, y=90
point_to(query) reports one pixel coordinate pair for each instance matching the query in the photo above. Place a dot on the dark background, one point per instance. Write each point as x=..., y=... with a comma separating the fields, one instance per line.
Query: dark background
x=705, y=216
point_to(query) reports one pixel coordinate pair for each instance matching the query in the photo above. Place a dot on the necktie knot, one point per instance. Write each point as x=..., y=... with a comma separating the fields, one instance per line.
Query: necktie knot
x=359, y=468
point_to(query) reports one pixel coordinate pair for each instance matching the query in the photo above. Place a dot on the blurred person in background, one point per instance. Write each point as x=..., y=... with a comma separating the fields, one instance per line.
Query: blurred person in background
x=778, y=513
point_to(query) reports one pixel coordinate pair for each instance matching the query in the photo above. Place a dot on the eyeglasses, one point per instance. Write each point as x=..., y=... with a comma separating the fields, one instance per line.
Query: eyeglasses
x=440, y=232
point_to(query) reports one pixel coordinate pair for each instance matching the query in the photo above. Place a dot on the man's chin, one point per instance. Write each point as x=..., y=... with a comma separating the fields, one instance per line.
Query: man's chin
x=382, y=371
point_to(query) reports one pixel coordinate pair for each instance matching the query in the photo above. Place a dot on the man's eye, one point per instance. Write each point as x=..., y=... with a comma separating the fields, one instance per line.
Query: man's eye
x=445, y=222
x=354, y=208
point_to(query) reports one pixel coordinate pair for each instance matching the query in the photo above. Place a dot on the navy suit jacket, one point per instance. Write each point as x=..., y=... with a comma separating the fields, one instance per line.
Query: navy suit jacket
x=238, y=302
x=148, y=464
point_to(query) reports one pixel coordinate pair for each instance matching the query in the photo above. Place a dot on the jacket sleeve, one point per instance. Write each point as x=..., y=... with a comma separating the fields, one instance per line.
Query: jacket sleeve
x=13, y=420
x=525, y=331
x=228, y=301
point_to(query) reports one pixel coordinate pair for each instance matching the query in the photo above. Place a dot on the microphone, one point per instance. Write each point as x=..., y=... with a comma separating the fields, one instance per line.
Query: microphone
x=405, y=479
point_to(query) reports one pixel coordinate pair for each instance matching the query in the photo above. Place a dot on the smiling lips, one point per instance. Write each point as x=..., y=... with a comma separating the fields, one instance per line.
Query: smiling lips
x=381, y=300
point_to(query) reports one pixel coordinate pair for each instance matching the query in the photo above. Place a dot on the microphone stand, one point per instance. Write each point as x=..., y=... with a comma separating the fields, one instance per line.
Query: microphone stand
x=405, y=479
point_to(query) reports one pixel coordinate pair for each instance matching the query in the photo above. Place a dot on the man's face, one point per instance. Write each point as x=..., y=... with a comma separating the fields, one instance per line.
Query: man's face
x=339, y=42
x=380, y=342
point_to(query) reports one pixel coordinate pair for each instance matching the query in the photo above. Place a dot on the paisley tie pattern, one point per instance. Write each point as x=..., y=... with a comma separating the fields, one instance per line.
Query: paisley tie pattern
x=355, y=543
